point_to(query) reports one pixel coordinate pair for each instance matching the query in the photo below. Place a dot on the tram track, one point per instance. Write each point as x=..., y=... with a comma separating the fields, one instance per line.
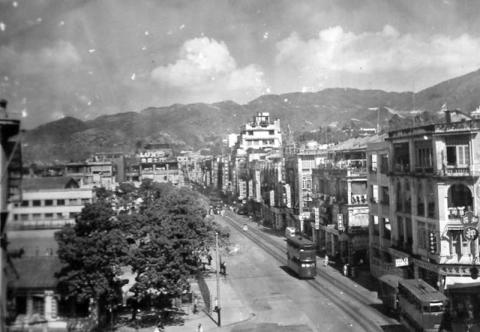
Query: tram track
x=331, y=291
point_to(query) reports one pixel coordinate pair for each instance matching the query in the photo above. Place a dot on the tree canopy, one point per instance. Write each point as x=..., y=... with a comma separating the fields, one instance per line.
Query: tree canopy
x=161, y=242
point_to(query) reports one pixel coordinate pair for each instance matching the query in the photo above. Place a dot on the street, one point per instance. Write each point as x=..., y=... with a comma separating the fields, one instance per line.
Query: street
x=277, y=299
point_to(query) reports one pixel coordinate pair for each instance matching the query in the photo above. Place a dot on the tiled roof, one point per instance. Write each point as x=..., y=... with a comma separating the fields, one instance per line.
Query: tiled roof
x=36, y=272
x=358, y=143
x=51, y=182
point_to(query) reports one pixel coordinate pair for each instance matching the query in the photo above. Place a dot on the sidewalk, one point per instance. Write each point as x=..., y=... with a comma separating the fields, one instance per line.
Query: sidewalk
x=233, y=310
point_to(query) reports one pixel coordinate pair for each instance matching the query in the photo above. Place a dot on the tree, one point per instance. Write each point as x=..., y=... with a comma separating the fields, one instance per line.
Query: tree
x=161, y=243
x=92, y=252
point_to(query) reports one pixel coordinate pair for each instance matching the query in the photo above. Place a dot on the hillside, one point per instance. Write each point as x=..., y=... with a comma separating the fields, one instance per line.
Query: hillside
x=195, y=125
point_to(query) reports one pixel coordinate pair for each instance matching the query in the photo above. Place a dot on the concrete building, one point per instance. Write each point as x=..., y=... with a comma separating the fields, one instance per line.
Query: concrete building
x=159, y=163
x=46, y=205
x=300, y=162
x=10, y=168
x=434, y=198
x=95, y=172
x=340, y=199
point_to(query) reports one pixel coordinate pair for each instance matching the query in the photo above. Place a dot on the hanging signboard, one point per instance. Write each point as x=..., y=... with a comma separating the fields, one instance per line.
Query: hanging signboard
x=470, y=233
x=316, y=212
x=399, y=262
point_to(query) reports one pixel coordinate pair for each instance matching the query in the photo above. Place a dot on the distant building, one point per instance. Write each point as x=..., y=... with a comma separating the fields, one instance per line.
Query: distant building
x=159, y=163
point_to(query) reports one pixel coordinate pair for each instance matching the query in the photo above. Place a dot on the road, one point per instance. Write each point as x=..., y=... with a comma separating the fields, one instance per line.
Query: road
x=281, y=302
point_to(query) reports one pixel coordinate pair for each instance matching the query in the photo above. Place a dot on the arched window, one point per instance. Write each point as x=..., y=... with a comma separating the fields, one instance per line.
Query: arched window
x=459, y=199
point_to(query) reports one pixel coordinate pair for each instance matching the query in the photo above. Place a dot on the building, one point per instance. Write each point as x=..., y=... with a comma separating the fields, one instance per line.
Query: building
x=11, y=170
x=434, y=198
x=46, y=205
x=158, y=163
x=380, y=228
x=95, y=172
x=340, y=200
x=256, y=139
x=300, y=163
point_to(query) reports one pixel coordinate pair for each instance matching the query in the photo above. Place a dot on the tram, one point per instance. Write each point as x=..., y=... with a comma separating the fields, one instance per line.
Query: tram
x=301, y=256
x=421, y=306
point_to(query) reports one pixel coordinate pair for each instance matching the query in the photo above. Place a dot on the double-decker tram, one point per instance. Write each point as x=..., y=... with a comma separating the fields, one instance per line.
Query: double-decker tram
x=421, y=306
x=301, y=256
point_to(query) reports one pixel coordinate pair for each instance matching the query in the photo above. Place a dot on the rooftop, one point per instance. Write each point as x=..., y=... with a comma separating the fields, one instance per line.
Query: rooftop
x=49, y=183
x=36, y=272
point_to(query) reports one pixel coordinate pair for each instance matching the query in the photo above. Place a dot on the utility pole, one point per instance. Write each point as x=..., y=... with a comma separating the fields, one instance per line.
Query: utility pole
x=217, y=307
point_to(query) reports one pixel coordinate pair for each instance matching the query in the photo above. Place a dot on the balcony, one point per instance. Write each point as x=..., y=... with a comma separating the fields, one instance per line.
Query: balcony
x=458, y=171
x=358, y=199
x=39, y=224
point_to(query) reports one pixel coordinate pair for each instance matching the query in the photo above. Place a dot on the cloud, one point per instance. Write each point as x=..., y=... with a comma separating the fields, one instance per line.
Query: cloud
x=206, y=69
x=337, y=53
x=61, y=55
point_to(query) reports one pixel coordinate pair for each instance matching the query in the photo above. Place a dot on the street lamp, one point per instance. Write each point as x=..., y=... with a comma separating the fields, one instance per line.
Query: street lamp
x=217, y=305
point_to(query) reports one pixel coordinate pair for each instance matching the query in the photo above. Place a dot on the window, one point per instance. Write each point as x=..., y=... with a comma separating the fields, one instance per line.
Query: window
x=48, y=202
x=60, y=202
x=422, y=236
x=59, y=215
x=271, y=132
x=15, y=216
x=384, y=163
x=73, y=201
x=458, y=155
x=420, y=200
x=36, y=202
x=72, y=215
x=387, y=228
x=373, y=162
x=24, y=203
x=374, y=193
x=24, y=216
x=385, y=195
x=36, y=216
x=401, y=157
x=48, y=215
x=87, y=200
x=250, y=133
x=376, y=228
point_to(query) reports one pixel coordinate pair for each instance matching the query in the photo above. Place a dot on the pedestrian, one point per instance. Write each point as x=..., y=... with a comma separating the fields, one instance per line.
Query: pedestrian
x=200, y=328
x=209, y=257
x=325, y=261
x=224, y=268
x=195, y=305
x=156, y=329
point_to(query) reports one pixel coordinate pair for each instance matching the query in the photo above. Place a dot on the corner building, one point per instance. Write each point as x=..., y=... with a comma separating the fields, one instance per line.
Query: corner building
x=434, y=202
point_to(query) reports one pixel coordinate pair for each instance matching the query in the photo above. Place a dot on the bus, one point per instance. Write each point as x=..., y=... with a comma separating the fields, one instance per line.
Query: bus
x=301, y=256
x=421, y=306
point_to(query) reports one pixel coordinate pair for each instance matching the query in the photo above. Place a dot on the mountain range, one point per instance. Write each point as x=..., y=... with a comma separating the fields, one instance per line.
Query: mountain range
x=197, y=125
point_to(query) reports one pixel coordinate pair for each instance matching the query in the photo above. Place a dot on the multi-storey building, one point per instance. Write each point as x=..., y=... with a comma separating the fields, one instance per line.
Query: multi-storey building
x=92, y=173
x=434, y=196
x=46, y=205
x=256, y=139
x=340, y=191
x=299, y=165
x=380, y=228
x=10, y=168
x=158, y=162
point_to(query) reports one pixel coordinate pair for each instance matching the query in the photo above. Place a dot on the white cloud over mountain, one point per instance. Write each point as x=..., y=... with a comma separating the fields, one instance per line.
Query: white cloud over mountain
x=323, y=60
x=205, y=66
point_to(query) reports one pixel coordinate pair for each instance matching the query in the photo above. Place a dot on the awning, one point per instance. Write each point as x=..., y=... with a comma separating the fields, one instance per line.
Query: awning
x=460, y=282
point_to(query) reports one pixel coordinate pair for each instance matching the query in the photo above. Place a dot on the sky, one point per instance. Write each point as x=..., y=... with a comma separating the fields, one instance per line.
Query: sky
x=86, y=58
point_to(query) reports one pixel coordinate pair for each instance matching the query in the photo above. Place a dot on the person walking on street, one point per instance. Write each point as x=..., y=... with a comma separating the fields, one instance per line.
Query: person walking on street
x=209, y=257
x=325, y=262
x=200, y=328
